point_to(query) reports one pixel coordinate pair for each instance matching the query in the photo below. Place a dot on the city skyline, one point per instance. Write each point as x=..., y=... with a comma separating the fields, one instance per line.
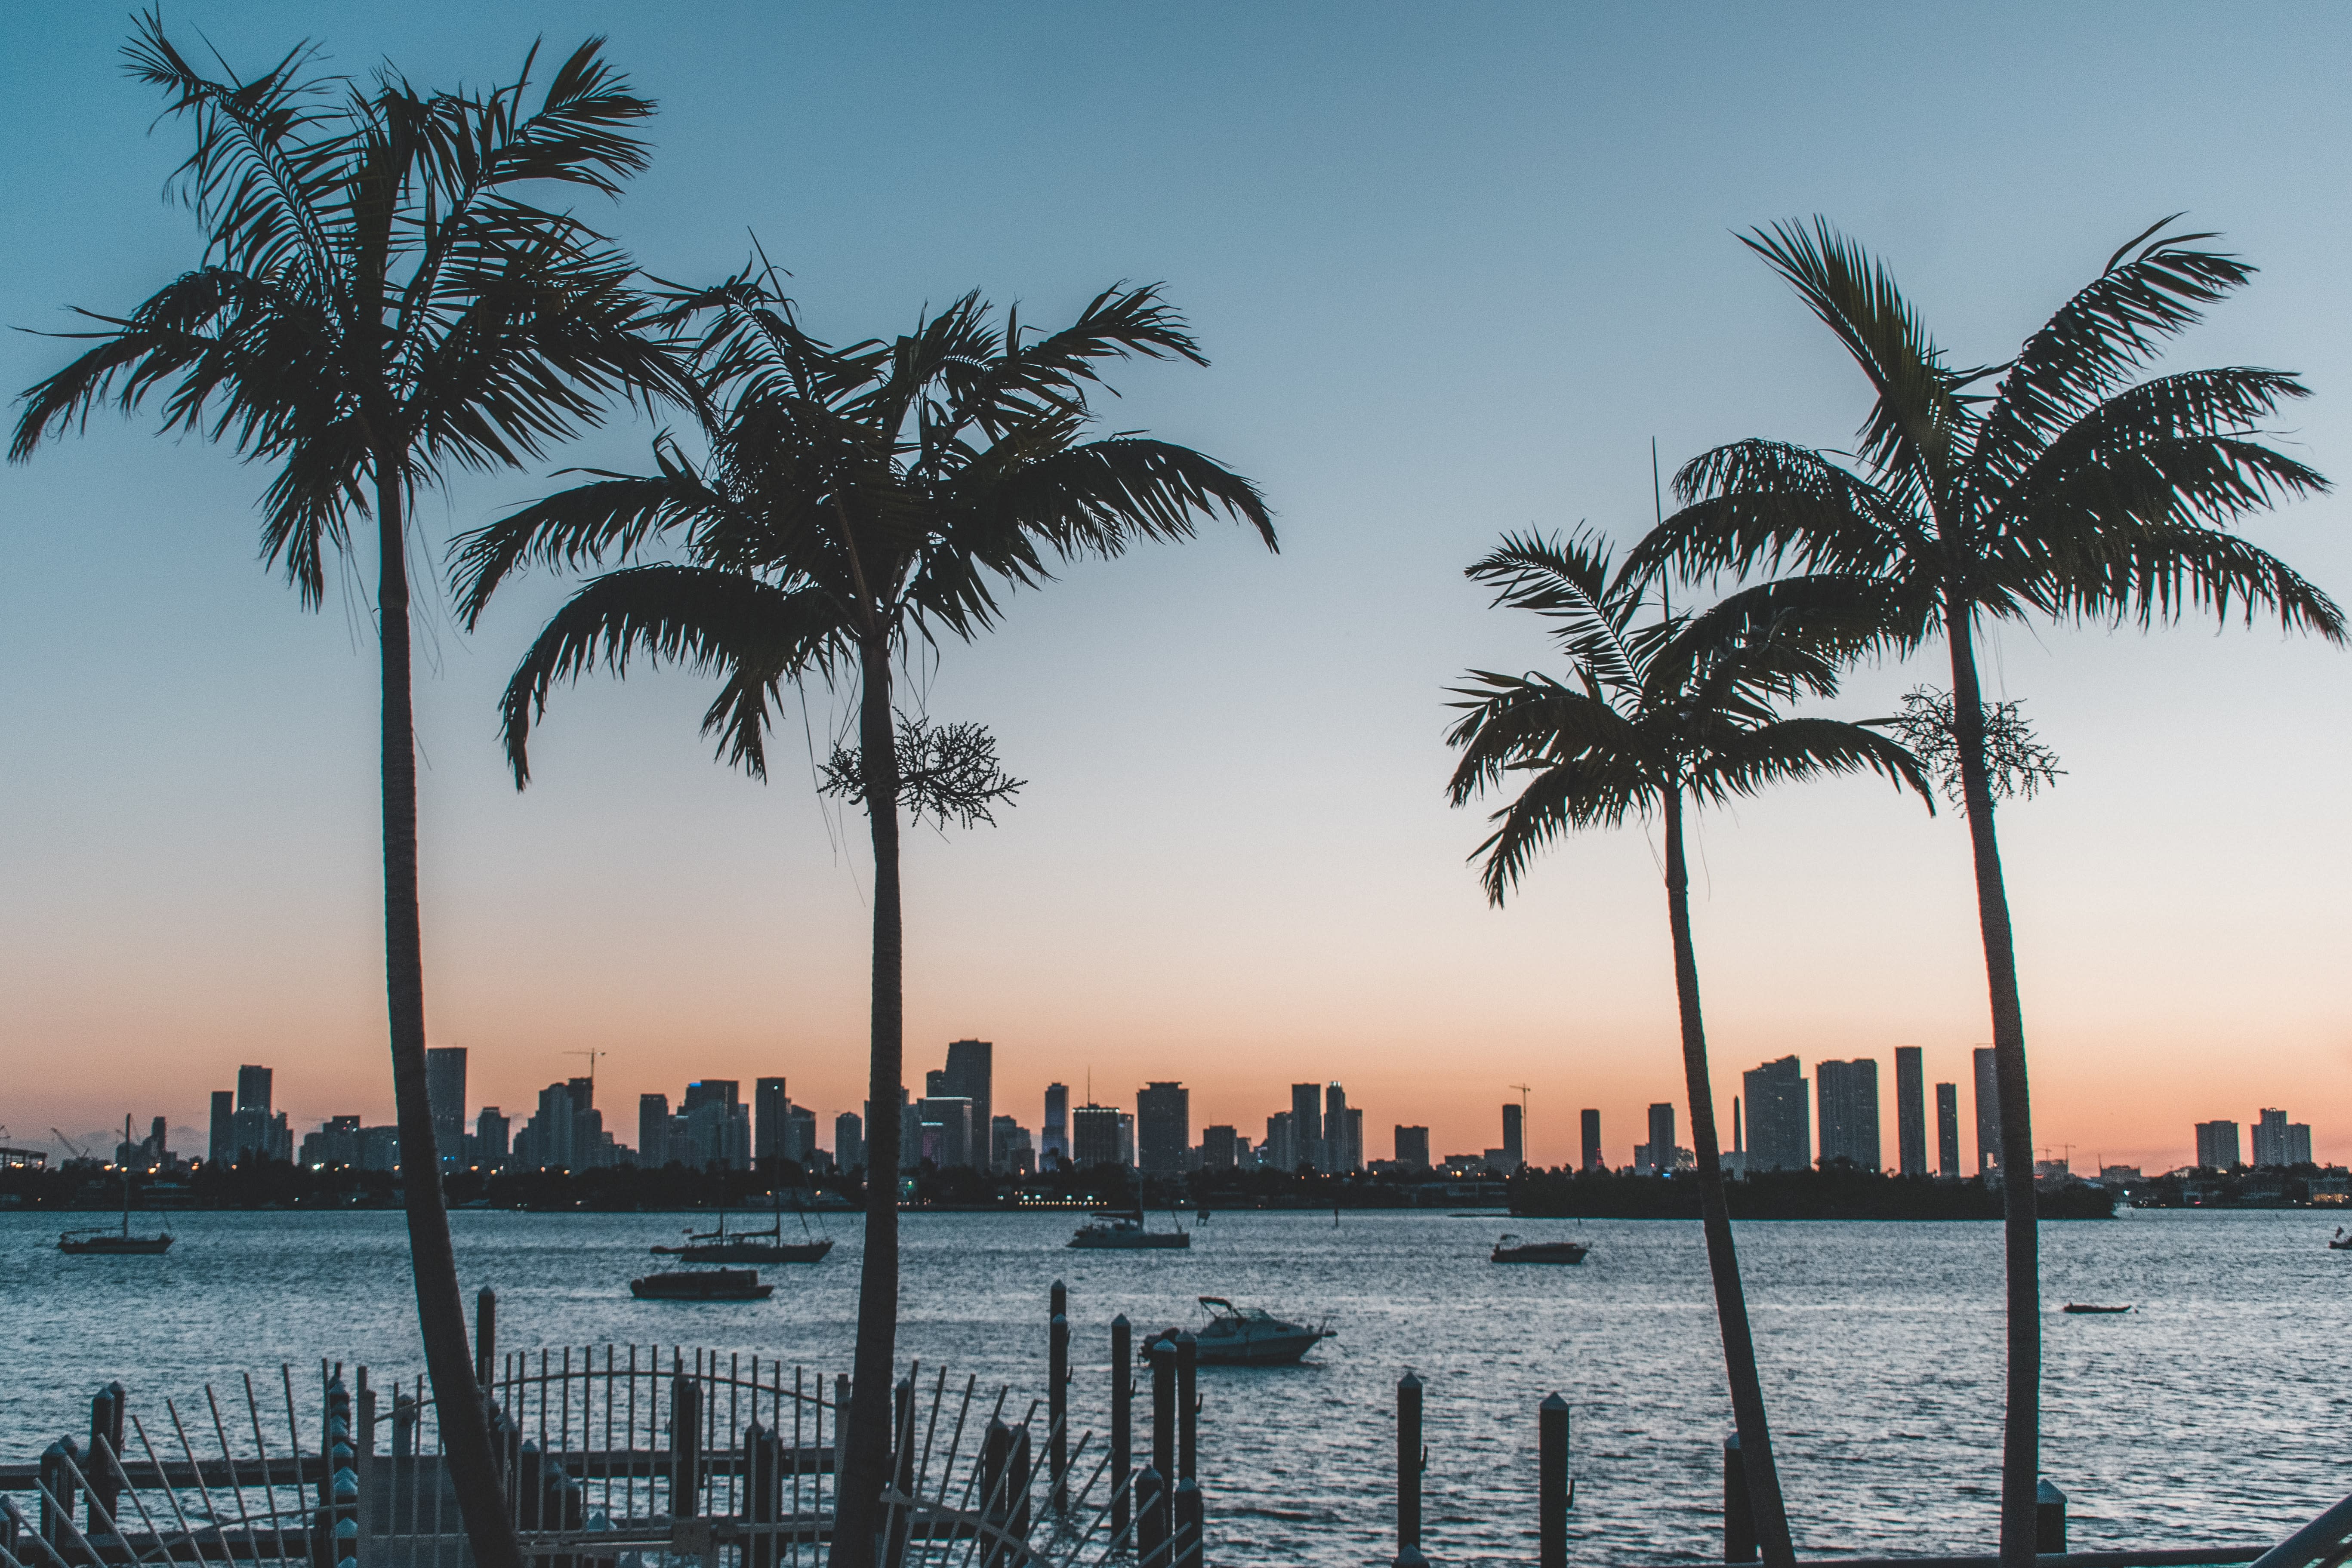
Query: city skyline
x=218, y=900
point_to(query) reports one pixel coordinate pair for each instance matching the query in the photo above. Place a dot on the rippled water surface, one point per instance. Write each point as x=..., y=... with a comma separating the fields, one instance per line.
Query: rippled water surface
x=2215, y=1411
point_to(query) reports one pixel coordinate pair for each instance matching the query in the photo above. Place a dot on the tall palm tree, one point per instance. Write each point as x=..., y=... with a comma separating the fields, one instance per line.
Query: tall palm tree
x=1652, y=717
x=2072, y=490
x=377, y=304
x=856, y=503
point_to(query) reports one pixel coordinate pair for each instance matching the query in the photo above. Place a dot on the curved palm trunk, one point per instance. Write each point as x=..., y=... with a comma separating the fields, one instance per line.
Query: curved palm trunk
x=440, y=1306
x=2021, y=1454
x=858, y=1507
x=1764, y=1501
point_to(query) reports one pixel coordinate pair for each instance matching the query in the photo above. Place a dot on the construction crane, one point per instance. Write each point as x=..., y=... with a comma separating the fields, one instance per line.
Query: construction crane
x=591, y=1057
x=1524, y=1092
x=74, y=1147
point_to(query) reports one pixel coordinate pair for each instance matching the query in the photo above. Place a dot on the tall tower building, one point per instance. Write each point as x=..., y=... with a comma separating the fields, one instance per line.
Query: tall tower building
x=1780, y=1122
x=1849, y=1118
x=1343, y=1138
x=1306, y=1123
x=848, y=1141
x=1662, y=1138
x=2278, y=1142
x=1220, y=1148
x=1094, y=1135
x=1515, y=1136
x=1054, y=1142
x=1910, y=1112
x=1947, y=1129
x=1280, y=1149
x=1412, y=1147
x=222, y=1149
x=445, y=1091
x=1163, y=1128
x=653, y=1131
x=1988, y=1113
x=1590, y=1127
x=971, y=1074
x=771, y=1112
x=2217, y=1144
x=253, y=1090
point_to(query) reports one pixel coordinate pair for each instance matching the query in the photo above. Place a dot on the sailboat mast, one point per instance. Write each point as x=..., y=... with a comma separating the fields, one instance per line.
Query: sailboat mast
x=126, y=1176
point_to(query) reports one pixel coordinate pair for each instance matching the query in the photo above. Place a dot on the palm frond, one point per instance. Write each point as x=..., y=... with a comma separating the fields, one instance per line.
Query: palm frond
x=1791, y=751
x=1570, y=582
x=2161, y=570
x=1513, y=722
x=607, y=519
x=1769, y=505
x=1591, y=790
x=1097, y=497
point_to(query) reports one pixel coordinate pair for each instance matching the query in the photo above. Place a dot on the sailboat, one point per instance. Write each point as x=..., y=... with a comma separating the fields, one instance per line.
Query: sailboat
x=116, y=1243
x=1126, y=1233
x=767, y=1246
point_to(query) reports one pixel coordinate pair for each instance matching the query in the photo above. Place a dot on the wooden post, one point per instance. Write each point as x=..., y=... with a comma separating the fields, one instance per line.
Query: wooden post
x=99, y=1464
x=1150, y=1519
x=1551, y=1483
x=404, y=1425
x=1155, y=1518
x=1188, y=1408
x=364, y=1433
x=1058, y=1398
x=762, y=1463
x=58, y=1490
x=995, y=1492
x=1739, y=1517
x=685, y=1447
x=1122, y=1424
x=840, y=1420
x=1411, y=1457
x=1020, y=1475
x=486, y=1338
x=2049, y=1518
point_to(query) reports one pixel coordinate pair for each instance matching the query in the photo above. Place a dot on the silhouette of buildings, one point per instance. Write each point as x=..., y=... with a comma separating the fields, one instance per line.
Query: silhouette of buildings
x=492, y=1135
x=949, y=1127
x=1589, y=1123
x=1412, y=1147
x=970, y=1075
x=1343, y=1133
x=1947, y=1129
x=567, y=1132
x=1848, y=1092
x=1094, y=1135
x=1221, y=1148
x=849, y=1142
x=770, y=1119
x=243, y=1126
x=2278, y=1142
x=1910, y=1112
x=1163, y=1128
x=1780, y=1122
x=2217, y=1145
x=1053, y=1142
x=445, y=1093
x=1988, y=1113
x=1008, y=1146
x=1514, y=1137
x=1306, y=1124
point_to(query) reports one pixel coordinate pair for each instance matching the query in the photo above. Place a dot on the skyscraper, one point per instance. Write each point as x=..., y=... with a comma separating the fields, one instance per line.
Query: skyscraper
x=1780, y=1122
x=2217, y=1144
x=445, y=1092
x=2278, y=1142
x=971, y=1074
x=1848, y=1092
x=1280, y=1149
x=848, y=1141
x=1163, y=1128
x=1661, y=1145
x=1515, y=1136
x=1988, y=1113
x=1054, y=1141
x=948, y=1130
x=770, y=1119
x=653, y=1131
x=1306, y=1123
x=800, y=1135
x=1094, y=1135
x=1589, y=1121
x=1220, y=1148
x=1947, y=1129
x=222, y=1149
x=491, y=1133
x=253, y=1089
x=1412, y=1147
x=1342, y=1151
x=1910, y=1112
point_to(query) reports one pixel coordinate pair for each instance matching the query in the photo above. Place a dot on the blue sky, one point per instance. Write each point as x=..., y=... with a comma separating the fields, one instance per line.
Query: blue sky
x=1456, y=269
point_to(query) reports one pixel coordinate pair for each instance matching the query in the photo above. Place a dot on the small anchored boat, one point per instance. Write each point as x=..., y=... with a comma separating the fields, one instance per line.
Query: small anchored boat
x=1126, y=1233
x=1511, y=1250
x=767, y=1246
x=1252, y=1336
x=2342, y=1243
x=702, y=1285
x=2087, y=1307
x=107, y=1242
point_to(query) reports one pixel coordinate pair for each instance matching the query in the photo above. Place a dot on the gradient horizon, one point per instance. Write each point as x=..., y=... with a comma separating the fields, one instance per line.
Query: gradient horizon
x=1453, y=275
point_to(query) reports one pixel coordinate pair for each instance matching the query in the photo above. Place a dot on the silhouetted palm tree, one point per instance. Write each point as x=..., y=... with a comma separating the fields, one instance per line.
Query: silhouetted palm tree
x=2072, y=491
x=1651, y=717
x=375, y=306
x=856, y=502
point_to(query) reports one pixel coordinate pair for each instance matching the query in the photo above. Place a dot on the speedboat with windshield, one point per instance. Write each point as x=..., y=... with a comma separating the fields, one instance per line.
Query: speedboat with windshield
x=1252, y=1336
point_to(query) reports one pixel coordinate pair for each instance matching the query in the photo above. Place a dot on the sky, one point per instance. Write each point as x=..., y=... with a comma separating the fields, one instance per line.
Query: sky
x=1456, y=269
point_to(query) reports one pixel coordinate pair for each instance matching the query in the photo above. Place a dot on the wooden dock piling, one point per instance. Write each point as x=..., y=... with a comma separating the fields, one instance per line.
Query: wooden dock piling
x=1058, y=1398
x=2049, y=1518
x=1551, y=1482
x=1122, y=1424
x=1411, y=1459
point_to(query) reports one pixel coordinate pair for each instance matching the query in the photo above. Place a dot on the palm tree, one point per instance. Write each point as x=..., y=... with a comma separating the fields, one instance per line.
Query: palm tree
x=2071, y=490
x=376, y=305
x=1683, y=709
x=856, y=503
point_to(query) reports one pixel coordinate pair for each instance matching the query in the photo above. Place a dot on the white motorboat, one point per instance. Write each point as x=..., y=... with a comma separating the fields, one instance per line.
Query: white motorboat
x=1252, y=1336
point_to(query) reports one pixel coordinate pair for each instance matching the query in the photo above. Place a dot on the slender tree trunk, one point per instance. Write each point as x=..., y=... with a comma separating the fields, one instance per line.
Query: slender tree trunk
x=2021, y=1456
x=440, y=1306
x=1714, y=1220
x=857, y=1508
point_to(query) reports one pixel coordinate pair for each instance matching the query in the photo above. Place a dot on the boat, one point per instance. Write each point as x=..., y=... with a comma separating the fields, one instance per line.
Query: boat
x=1251, y=1336
x=702, y=1285
x=767, y=1246
x=2086, y=1307
x=1126, y=1233
x=2342, y=1243
x=1511, y=1250
x=103, y=1242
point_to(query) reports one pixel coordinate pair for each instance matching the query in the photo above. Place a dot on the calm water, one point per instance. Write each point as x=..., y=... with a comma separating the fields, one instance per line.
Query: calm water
x=2215, y=1411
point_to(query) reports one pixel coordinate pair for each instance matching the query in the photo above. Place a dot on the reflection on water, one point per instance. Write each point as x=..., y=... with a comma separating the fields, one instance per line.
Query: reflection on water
x=2213, y=1412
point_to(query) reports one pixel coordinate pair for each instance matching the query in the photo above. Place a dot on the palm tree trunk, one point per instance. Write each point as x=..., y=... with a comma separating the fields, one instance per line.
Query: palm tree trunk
x=1764, y=1501
x=440, y=1307
x=858, y=1507
x=2021, y=1456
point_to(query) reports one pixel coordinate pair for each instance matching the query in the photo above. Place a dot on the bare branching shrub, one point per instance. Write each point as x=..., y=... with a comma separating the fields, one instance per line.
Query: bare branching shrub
x=948, y=772
x=2016, y=765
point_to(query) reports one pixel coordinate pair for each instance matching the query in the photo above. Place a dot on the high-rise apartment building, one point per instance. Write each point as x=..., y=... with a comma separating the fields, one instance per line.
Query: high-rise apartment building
x=1910, y=1112
x=221, y=1150
x=1988, y=1113
x=492, y=1135
x=567, y=1133
x=2217, y=1145
x=1848, y=1092
x=653, y=1131
x=770, y=1119
x=718, y=1125
x=1306, y=1123
x=253, y=1089
x=1657, y=1156
x=1343, y=1140
x=971, y=1074
x=253, y=1130
x=1412, y=1147
x=848, y=1141
x=1220, y=1148
x=2278, y=1142
x=1280, y=1149
x=1780, y=1122
x=1053, y=1138
x=1094, y=1136
x=1163, y=1128
x=800, y=1136
x=445, y=1092
x=1589, y=1129
x=950, y=1129
x=1947, y=1129
x=1515, y=1136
